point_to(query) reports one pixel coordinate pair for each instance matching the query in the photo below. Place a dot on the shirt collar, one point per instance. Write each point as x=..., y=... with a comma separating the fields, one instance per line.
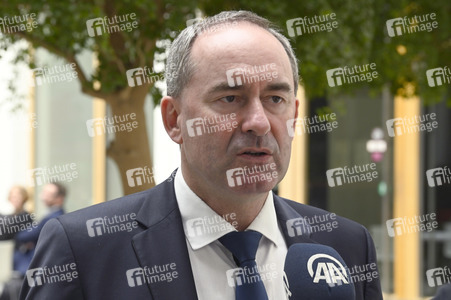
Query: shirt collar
x=202, y=225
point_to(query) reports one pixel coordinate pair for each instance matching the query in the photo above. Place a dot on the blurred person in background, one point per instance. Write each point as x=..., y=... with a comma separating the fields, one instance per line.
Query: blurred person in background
x=53, y=196
x=10, y=226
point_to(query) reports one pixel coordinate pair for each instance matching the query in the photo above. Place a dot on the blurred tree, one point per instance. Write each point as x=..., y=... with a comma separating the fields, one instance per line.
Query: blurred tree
x=61, y=27
x=360, y=38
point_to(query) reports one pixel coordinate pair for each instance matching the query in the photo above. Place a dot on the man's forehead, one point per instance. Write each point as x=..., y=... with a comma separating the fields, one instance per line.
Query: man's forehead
x=243, y=45
x=50, y=188
x=241, y=37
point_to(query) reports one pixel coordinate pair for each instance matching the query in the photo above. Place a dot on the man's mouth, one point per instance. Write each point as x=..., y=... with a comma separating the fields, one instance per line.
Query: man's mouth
x=255, y=153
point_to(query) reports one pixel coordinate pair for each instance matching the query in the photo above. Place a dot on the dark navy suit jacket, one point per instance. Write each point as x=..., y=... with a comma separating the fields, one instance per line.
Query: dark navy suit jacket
x=87, y=255
x=443, y=293
x=25, y=243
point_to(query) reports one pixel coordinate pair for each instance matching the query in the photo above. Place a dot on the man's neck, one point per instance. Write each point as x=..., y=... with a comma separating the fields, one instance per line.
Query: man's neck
x=54, y=208
x=245, y=207
x=245, y=211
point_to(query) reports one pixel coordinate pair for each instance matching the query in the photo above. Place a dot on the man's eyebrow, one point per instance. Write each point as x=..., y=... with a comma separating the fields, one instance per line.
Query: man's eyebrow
x=278, y=86
x=222, y=87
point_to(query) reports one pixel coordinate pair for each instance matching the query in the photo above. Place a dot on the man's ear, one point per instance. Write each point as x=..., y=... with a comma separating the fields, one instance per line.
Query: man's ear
x=296, y=114
x=297, y=109
x=170, y=109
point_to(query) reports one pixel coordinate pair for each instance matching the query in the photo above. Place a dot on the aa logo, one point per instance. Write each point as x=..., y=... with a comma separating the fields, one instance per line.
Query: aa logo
x=328, y=268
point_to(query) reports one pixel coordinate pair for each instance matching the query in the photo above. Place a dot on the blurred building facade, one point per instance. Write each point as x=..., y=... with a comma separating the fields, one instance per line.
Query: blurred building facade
x=406, y=252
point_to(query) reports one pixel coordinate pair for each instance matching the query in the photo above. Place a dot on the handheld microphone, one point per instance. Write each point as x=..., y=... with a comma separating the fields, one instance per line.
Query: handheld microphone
x=314, y=271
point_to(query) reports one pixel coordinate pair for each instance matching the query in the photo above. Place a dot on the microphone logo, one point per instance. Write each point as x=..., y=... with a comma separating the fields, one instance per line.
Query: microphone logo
x=286, y=285
x=328, y=268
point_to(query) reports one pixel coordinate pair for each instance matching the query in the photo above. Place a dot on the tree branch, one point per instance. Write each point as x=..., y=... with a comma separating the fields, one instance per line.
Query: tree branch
x=85, y=83
x=117, y=39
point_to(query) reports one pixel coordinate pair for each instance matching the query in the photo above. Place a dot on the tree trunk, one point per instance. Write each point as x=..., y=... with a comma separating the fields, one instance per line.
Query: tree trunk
x=130, y=148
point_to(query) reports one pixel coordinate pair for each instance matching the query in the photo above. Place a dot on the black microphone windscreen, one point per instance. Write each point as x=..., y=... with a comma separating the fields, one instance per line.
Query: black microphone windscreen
x=318, y=272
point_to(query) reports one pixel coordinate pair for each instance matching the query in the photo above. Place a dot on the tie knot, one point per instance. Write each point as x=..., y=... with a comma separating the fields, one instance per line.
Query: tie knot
x=243, y=244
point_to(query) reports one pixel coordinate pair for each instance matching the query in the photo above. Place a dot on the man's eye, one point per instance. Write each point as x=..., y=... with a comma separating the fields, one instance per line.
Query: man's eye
x=276, y=99
x=228, y=99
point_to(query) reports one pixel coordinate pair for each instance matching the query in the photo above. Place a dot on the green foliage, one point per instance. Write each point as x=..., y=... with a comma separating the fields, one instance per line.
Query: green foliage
x=361, y=38
x=62, y=30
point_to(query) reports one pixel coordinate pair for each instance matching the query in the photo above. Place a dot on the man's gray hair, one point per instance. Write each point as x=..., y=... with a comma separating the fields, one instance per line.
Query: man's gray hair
x=179, y=57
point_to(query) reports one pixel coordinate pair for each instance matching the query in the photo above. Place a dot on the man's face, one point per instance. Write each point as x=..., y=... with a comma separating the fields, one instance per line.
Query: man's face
x=49, y=194
x=16, y=198
x=244, y=117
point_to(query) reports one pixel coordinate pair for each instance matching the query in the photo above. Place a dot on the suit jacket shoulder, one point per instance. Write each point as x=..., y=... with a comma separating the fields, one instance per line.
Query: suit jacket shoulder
x=129, y=248
x=349, y=238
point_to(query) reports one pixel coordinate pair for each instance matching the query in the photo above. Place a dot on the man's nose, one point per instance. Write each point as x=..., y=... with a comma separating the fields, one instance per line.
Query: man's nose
x=255, y=119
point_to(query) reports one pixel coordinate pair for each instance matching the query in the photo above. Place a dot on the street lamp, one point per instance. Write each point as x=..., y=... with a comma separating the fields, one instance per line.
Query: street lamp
x=377, y=146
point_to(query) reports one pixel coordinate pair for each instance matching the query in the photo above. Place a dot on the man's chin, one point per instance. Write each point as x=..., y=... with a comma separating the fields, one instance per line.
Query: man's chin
x=252, y=189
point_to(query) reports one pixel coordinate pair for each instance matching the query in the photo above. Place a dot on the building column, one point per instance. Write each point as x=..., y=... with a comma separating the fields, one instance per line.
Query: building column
x=406, y=200
x=294, y=185
x=98, y=155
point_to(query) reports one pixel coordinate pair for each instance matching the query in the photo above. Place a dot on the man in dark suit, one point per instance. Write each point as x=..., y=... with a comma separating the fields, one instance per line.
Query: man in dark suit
x=10, y=226
x=52, y=195
x=227, y=107
x=443, y=293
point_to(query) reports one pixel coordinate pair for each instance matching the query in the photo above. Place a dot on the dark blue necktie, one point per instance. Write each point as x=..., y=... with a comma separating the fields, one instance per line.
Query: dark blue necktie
x=243, y=246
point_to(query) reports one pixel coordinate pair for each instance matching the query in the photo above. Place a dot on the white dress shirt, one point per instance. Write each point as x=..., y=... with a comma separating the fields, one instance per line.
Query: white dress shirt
x=210, y=260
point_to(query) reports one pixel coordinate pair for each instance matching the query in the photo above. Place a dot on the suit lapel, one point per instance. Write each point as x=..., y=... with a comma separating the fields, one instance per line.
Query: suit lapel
x=294, y=228
x=163, y=243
